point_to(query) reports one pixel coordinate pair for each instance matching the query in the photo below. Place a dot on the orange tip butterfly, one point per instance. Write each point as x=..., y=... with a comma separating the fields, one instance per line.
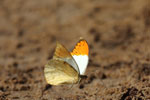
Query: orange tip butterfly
x=66, y=67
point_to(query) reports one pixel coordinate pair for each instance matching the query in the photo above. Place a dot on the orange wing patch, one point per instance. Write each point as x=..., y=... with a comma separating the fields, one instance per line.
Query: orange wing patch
x=81, y=48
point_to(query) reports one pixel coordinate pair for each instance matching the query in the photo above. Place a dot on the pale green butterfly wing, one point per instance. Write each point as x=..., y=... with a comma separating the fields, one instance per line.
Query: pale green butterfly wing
x=59, y=72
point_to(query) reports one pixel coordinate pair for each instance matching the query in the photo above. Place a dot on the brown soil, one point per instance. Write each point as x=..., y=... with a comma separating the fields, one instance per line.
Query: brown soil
x=118, y=32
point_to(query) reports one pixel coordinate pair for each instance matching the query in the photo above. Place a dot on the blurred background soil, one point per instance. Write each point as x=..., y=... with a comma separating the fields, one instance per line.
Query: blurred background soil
x=118, y=33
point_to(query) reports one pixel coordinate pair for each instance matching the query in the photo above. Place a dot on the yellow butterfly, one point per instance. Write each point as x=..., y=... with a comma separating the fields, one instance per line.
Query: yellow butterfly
x=66, y=67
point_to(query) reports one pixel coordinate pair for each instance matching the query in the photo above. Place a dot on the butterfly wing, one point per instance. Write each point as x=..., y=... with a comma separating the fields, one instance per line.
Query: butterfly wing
x=59, y=72
x=61, y=53
x=80, y=54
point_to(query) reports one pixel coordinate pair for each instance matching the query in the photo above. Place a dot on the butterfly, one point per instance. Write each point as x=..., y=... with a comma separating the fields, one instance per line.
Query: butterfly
x=67, y=67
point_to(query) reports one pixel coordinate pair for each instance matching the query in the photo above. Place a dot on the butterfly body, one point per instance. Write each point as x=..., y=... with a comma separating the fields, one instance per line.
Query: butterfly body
x=66, y=67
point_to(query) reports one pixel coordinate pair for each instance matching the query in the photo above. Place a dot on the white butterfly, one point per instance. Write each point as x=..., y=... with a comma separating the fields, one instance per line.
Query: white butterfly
x=66, y=67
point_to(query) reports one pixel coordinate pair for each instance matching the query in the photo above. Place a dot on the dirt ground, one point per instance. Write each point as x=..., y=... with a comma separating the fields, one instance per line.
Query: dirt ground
x=118, y=33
